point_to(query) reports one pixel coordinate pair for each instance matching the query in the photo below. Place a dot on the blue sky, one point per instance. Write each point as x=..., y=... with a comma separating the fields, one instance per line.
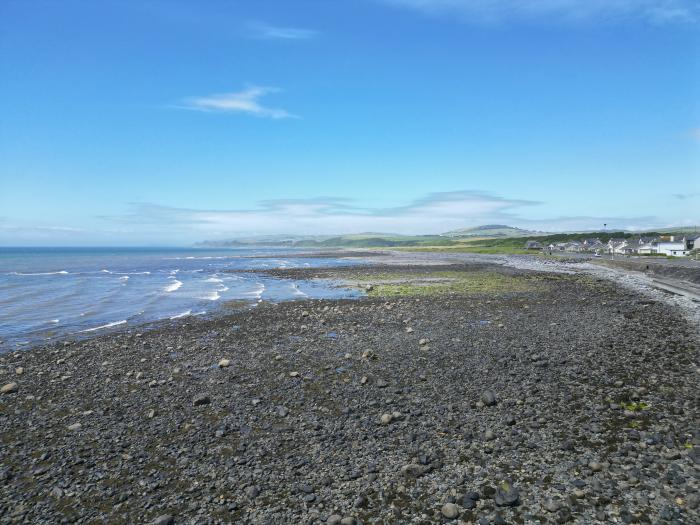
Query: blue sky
x=166, y=122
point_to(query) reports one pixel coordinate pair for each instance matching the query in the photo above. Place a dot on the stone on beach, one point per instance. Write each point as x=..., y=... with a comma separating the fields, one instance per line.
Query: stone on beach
x=164, y=519
x=201, y=399
x=450, y=510
x=488, y=398
x=506, y=495
x=9, y=388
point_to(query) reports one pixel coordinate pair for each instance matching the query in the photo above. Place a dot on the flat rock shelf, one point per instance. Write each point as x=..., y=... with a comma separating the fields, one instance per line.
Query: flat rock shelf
x=450, y=394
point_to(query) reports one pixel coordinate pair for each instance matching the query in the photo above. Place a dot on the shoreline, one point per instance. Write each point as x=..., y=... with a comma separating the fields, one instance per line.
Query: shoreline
x=450, y=393
x=630, y=274
x=44, y=333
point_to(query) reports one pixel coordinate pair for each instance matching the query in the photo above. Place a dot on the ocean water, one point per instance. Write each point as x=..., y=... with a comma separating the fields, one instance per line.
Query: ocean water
x=48, y=293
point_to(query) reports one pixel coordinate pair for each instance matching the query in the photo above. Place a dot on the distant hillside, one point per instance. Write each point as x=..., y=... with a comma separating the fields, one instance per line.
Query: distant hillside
x=488, y=236
x=491, y=230
x=356, y=240
x=680, y=231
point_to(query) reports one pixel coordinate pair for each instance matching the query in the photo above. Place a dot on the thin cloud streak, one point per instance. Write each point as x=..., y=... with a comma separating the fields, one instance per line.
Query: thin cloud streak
x=270, y=32
x=490, y=11
x=685, y=196
x=246, y=101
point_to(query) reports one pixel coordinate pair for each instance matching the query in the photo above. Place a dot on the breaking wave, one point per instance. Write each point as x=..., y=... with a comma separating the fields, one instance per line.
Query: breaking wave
x=62, y=272
x=108, y=325
x=172, y=286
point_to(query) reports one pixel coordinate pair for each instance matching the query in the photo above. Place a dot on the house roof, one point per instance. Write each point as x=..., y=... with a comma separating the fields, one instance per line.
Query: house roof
x=681, y=242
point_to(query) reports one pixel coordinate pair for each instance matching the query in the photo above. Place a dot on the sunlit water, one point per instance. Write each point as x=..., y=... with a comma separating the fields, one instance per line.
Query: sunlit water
x=48, y=293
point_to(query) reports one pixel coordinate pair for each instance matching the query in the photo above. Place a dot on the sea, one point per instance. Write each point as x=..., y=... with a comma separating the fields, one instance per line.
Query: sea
x=57, y=293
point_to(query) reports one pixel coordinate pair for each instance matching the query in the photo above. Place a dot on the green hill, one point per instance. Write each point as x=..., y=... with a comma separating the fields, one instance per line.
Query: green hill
x=491, y=230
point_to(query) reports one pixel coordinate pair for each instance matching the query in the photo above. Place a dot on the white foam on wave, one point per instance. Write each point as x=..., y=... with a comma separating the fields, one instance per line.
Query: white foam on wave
x=256, y=293
x=124, y=278
x=53, y=321
x=214, y=280
x=212, y=296
x=183, y=314
x=62, y=272
x=174, y=272
x=108, y=325
x=173, y=286
x=122, y=273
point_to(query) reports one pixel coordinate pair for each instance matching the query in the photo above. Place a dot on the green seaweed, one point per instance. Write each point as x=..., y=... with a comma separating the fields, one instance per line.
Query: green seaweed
x=400, y=284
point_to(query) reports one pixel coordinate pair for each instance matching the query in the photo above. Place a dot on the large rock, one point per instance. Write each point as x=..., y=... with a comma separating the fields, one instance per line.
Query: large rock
x=201, y=399
x=9, y=388
x=414, y=470
x=488, y=398
x=506, y=495
x=450, y=510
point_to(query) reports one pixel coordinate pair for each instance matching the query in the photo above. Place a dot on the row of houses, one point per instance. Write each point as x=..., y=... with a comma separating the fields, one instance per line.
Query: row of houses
x=674, y=245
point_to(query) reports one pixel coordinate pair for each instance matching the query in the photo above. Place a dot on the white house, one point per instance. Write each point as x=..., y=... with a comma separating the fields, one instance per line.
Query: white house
x=646, y=249
x=675, y=248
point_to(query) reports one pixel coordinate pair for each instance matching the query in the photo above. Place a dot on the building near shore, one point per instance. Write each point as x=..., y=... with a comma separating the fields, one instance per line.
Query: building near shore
x=648, y=248
x=676, y=248
x=692, y=242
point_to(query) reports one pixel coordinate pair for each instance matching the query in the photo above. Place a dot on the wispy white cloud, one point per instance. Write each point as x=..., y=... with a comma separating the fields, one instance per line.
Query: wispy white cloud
x=271, y=32
x=246, y=101
x=433, y=214
x=653, y=11
x=41, y=229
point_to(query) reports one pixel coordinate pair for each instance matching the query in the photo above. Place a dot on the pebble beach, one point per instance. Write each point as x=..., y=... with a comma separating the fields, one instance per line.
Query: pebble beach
x=468, y=392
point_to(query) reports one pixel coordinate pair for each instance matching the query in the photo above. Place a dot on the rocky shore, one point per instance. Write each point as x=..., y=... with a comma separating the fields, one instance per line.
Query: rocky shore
x=469, y=393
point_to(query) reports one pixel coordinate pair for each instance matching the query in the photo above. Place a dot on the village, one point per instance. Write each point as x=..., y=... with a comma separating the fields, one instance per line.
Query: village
x=668, y=245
